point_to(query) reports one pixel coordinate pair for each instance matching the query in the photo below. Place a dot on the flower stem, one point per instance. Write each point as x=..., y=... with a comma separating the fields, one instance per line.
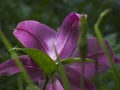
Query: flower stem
x=45, y=84
x=83, y=49
x=62, y=71
x=20, y=82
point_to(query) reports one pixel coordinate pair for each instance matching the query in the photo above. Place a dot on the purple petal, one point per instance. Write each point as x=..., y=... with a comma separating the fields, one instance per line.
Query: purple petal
x=36, y=74
x=116, y=60
x=10, y=68
x=102, y=59
x=103, y=62
x=56, y=85
x=74, y=79
x=33, y=34
x=90, y=69
x=67, y=36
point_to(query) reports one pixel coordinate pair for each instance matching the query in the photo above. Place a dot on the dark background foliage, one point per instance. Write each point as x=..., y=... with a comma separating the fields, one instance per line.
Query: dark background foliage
x=52, y=13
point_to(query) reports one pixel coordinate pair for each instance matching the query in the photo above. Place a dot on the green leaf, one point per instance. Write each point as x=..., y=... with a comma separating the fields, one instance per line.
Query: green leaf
x=42, y=59
x=71, y=60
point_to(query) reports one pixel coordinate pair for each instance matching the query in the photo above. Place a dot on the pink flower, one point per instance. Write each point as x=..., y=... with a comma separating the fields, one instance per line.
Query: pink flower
x=33, y=34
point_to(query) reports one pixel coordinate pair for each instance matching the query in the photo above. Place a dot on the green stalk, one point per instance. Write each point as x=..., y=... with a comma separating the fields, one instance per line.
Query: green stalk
x=102, y=42
x=46, y=81
x=83, y=49
x=16, y=58
x=20, y=82
x=62, y=71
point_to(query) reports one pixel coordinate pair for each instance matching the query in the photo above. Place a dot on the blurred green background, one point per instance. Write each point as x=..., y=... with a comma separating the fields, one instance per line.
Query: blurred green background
x=52, y=13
